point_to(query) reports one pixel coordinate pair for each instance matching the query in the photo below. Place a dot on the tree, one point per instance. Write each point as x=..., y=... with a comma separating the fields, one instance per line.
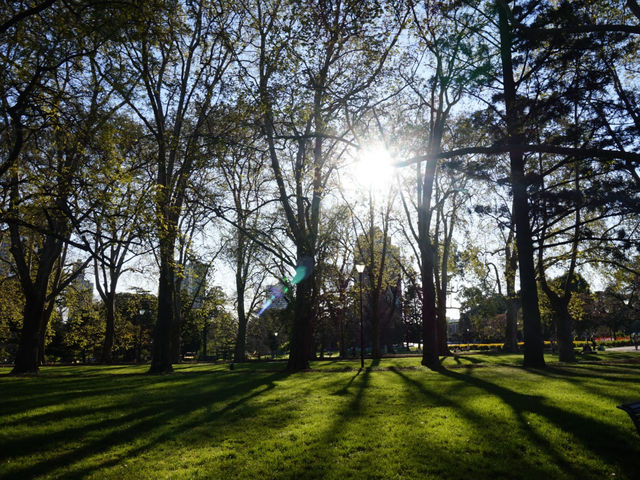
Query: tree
x=242, y=168
x=537, y=48
x=450, y=196
x=11, y=308
x=533, y=348
x=178, y=55
x=135, y=314
x=44, y=208
x=443, y=31
x=336, y=253
x=73, y=31
x=83, y=328
x=309, y=64
x=121, y=218
x=199, y=319
x=375, y=251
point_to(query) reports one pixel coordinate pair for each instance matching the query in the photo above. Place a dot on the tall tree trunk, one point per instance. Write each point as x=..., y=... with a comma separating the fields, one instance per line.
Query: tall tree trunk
x=430, y=356
x=429, y=322
x=511, y=330
x=161, y=355
x=28, y=354
x=565, y=332
x=110, y=310
x=301, y=342
x=533, y=348
x=341, y=321
x=560, y=303
x=375, y=275
x=301, y=334
x=36, y=311
x=314, y=325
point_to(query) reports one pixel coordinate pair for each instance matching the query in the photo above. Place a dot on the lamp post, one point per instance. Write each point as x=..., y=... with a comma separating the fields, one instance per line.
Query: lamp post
x=360, y=270
x=138, y=352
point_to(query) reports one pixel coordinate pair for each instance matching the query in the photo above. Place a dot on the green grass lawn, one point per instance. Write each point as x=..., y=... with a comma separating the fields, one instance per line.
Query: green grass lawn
x=481, y=417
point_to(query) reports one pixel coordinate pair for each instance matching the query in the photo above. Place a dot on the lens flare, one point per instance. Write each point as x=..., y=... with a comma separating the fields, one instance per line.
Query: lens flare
x=278, y=293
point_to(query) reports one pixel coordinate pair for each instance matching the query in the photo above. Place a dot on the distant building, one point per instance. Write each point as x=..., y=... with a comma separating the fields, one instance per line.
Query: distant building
x=452, y=327
x=195, y=280
x=82, y=280
x=6, y=259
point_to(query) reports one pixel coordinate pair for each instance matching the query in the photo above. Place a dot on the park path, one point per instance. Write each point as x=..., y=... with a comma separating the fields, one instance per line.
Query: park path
x=629, y=348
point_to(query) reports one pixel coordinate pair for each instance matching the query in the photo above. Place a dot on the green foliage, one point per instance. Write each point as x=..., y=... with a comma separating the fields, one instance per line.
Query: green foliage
x=11, y=305
x=79, y=327
x=261, y=331
x=207, y=320
x=580, y=290
x=483, y=313
x=136, y=313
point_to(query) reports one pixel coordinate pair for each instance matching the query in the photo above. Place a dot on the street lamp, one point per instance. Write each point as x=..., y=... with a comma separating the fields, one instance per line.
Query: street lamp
x=276, y=342
x=360, y=270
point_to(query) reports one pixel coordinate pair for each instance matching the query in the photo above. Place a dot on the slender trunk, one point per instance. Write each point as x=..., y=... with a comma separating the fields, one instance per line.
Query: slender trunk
x=533, y=348
x=375, y=282
x=176, y=324
x=313, y=318
x=239, y=353
x=441, y=273
x=565, y=320
x=110, y=310
x=205, y=332
x=511, y=331
x=341, y=320
x=565, y=333
x=441, y=315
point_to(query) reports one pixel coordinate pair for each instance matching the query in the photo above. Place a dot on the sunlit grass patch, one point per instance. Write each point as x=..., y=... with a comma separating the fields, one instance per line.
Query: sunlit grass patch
x=394, y=419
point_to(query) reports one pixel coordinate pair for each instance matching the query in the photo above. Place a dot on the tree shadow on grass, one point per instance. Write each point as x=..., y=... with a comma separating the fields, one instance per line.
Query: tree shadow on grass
x=466, y=359
x=344, y=390
x=144, y=426
x=602, y=439
x=54, y=392
x=323, y=458
x=520, y=404
x=588, y=380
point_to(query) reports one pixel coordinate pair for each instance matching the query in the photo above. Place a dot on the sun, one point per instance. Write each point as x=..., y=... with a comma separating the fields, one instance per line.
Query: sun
x=373, y=169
